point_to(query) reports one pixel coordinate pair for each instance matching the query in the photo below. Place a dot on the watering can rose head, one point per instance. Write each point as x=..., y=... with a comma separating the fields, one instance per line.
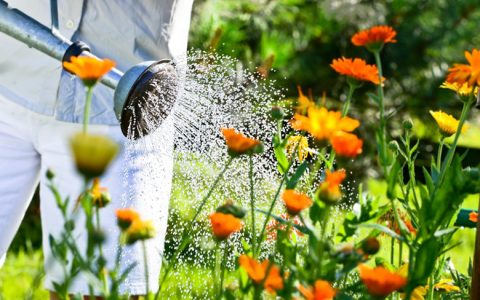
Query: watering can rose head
x=89, y=69
x=238, y=143
x=92, y=153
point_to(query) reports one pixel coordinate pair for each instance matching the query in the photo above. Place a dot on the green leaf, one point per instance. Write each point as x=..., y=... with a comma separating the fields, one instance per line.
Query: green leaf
x=374, y=97
x=383, y=229
x=425, y=260
x=392, y=179
x=292, y=182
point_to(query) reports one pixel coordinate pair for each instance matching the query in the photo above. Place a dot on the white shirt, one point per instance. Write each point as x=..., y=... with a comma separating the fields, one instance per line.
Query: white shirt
x=127, y=31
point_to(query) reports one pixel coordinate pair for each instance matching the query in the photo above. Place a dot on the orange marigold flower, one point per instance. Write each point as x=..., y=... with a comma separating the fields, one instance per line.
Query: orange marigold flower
x=257, y=272
x=346, y=144
x=323, y=124
x=223, y=225
x=375, y=37
x=238, y=143
x=473, y=216
x=125, y=217
x=304, y=103
x=322, y=290
x=462, y=73
x=329, y=190
x=295, y=201
x=381, y=282
x=357, y=69
x=89, y=69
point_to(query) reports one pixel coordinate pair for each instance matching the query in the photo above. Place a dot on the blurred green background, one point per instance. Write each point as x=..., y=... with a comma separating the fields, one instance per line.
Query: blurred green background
x=298, y=39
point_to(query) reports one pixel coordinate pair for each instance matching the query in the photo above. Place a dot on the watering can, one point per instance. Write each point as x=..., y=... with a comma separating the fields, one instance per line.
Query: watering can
x=144, y=96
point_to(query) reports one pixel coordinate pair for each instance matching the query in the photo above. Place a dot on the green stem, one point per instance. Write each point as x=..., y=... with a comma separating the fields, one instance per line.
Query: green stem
x=440, y=148
x=252, y=206
x=103, y=275
x=448, y=159
x=346, y=105
x=323, y=229
x=86, y=113
x=277, y=193
x=187, y=229
x=145, y=268
x=222, y=272
x=383, y=122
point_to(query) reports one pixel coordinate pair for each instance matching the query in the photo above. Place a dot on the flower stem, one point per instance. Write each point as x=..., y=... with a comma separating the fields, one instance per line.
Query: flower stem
x=383, y=122
x=346, y=105
x=86, y=113
x=277, y=193
x=187, y=229
x=252, y=205
x=145, y=268
x=222, y=272
x=448, y=159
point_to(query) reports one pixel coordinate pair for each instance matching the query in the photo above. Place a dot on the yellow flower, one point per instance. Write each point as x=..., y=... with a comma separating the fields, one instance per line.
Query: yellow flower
x=302, y=143
x=462, y=89
x=89, y=69
x=447, y=124
x=92, y=153
x=446, y=285
x=139, y=230
x=323, y=124
x=418, y=293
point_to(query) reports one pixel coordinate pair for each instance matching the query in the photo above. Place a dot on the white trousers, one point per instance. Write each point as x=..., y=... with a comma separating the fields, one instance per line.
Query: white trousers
x=140, y=177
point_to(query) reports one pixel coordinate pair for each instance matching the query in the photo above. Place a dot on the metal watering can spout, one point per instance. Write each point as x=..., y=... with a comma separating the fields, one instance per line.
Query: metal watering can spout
x=144, y=96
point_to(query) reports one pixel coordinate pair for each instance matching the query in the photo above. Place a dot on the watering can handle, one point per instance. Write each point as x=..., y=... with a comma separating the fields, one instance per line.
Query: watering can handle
x=31, y=32
x=54, y=14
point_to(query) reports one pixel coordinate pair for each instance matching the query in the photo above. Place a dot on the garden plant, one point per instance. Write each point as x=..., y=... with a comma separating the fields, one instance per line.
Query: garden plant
x=304, y=253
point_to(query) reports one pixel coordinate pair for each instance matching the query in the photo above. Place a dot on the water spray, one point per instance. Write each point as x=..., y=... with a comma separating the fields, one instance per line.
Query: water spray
x=144, y=95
